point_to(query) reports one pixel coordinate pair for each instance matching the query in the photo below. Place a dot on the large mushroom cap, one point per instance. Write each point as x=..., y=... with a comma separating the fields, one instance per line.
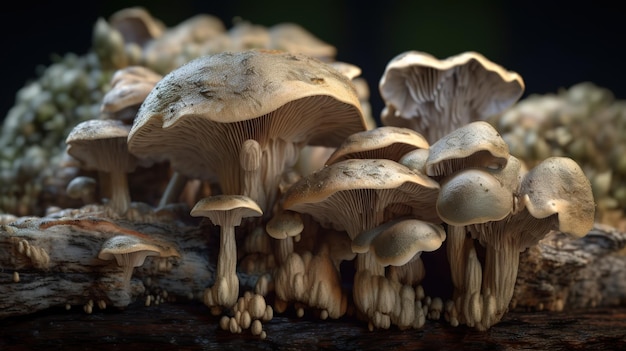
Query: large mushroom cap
x=436, y=96
x=235, y=87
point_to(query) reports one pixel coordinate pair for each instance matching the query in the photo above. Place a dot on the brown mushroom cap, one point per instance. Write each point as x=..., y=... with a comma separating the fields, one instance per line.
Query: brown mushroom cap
x=136, y=25
x=285, y=224
x=558, y=186
x=477, y=144
x=129, y=88
x=435, y=96
x=382, y=142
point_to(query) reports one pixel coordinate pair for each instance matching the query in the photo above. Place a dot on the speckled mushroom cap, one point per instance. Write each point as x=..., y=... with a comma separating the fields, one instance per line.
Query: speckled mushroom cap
x=226, y=210
x=382, y=142
x=237, y=96
x=558, y=186
x=120, y=247
x=339, y=194
x=292, y=37
x=436, y=96
x=101, y=144
x=477, y=144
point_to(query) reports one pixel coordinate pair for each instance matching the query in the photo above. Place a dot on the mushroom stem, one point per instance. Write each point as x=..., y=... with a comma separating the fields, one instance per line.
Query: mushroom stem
x=499, y=277
x=120, y=195
x=173, y=190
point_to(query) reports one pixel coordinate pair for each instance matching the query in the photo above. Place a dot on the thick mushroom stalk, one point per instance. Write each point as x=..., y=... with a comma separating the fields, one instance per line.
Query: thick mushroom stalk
x=227, y=212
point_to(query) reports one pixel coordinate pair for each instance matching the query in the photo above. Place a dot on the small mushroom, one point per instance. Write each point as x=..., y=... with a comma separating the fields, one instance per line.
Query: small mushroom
x=83, y=188
x=130, y=251
x=383, y=142
x=100, y=144
x=401, y=241
x=284, y=226
x=226, y=211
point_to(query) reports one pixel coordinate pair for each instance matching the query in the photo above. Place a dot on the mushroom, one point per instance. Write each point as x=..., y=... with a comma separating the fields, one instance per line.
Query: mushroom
x=129, y=88
x=227, y=212
x=399, y=242
x=83, y=188
x=294, y=38
x=476, y=144
x=382, y=142
x=130, y=251
x=136, y=25
x=284, y=226
x=282, y=101
x=553, y=195
x=355, y=195
x=100, y=144
x=435, y=97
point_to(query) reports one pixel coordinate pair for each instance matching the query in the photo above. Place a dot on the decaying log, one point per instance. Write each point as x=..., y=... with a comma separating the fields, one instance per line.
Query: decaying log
x=52, y=261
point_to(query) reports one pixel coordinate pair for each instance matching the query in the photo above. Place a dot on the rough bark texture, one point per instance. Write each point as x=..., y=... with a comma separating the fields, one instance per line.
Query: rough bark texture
x=579, y=284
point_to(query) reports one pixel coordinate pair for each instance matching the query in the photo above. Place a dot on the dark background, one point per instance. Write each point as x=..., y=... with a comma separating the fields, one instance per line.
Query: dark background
x=551, y=44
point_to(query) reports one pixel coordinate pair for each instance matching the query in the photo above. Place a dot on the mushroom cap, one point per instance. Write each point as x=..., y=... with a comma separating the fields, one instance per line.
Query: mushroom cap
x=477, y=144
x=396, y=244
x=135, y=249
x=473, y=196
x=559, y=186
x=80, y=187
x=415, y=160
x=220, y=209
x=101, y=144
x=438, y=94
x=256, y=94
x=136, y=25
x=129, y=87
x=362, y=187
x=383, y=142
x=284, y=224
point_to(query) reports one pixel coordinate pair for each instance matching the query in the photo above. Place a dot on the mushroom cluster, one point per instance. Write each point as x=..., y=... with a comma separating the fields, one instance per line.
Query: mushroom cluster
x=301, y=183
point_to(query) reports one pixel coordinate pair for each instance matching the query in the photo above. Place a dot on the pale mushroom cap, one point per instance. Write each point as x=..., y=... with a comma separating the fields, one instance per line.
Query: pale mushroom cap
x=267, y=96
x=129, y=87
x=382, y=142
x=101, y=144
x=345, y=194
x=399, y=243
x=558, y=185
x=129, y=244
x=477, y=144
x=258, y=83
x=238, y=207
x=415, y=160
x=136, y=25
x=294, y=38
x=284, y=224
x=353, y=174
x=493, y=87
x=473, y=196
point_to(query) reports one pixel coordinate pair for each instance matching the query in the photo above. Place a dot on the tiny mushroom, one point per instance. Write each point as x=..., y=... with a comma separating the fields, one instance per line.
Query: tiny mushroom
x=130, y=251
x=226, y=211
x=397, y=243
x=100, y=144
x=83, y=188
x=435, y=97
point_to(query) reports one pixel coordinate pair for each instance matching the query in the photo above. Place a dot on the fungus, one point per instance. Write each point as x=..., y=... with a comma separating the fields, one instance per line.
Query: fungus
x=101, y=145
x=282, y=101
x=359, y=194
x=382, y=142
x=294, y=38
x=435, y=97
x=227, y=212
x=136, y=25
x=398, y=242
x=130, y=251
x=129, y=88
x=83, y=188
